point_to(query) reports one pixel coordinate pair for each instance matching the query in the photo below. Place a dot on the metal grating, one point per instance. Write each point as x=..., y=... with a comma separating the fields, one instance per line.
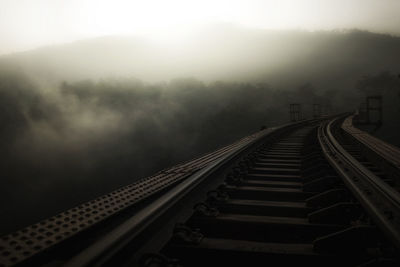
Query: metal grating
x=23, y=244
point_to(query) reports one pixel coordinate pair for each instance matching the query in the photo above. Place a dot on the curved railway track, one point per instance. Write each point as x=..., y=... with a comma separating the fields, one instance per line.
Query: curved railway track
x=313, y=193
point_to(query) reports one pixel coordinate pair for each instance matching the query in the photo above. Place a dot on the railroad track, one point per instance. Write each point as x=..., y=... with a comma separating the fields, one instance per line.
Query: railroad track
x=313, y=193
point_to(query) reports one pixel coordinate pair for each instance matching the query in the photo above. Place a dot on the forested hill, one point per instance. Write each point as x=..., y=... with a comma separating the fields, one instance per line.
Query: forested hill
x=329, y=59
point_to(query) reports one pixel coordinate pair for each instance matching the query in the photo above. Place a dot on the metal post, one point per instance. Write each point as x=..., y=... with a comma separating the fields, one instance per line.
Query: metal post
x=373, y=105
x=363, y=113
x=295, y=112
x=316, y=111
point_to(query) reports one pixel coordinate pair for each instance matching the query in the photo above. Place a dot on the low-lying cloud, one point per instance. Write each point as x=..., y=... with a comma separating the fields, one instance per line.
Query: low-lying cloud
x=66, y=139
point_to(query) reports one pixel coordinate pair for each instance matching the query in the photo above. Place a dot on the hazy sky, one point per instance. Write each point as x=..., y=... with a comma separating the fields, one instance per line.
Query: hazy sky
x=26, y=24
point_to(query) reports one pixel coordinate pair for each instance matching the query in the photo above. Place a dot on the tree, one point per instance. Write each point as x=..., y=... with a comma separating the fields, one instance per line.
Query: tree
x=379, y=83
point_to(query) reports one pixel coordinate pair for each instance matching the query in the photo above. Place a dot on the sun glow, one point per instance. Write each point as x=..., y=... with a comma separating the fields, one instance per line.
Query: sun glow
x=27, y=23
x=170, y=18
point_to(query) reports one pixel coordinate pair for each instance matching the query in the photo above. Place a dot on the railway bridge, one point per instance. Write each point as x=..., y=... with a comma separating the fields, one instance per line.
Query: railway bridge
x=317, y=192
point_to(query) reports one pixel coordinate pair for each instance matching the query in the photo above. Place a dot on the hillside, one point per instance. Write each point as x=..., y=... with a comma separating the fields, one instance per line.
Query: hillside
x=330, y=59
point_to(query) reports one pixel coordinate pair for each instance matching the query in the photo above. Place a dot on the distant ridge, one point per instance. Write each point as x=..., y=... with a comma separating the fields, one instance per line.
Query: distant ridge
x=283, y=58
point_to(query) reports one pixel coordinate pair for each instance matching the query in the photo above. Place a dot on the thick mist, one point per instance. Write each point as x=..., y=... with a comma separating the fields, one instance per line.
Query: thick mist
x=81, y=119
x=224, y=52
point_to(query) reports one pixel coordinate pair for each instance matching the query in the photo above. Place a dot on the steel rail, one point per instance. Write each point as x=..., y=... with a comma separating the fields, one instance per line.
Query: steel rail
x=381, y=201
x=31, y=241
x=385, y=156
x=104, y=249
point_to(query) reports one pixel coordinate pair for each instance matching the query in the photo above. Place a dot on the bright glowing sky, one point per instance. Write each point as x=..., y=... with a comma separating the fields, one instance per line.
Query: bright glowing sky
x=26, y=24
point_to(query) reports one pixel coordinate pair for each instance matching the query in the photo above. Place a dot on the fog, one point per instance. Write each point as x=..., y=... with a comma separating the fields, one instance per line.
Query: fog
x=26, y=24
x=86, y=117
x=220, y=52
